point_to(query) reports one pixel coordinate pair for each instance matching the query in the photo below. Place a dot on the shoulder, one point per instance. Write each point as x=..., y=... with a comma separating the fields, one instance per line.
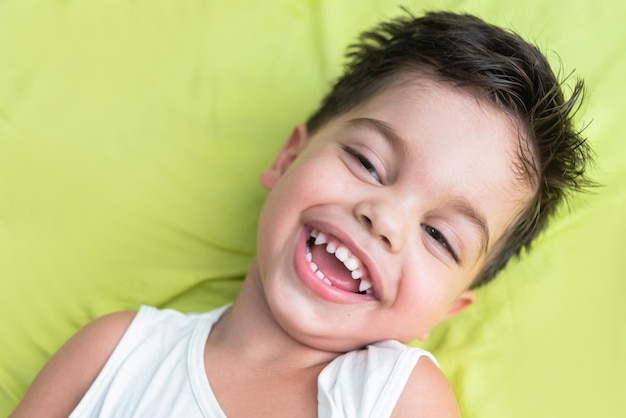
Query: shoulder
x=94, y=343
x=70, y=372
x=427, y=391
x=107, y=329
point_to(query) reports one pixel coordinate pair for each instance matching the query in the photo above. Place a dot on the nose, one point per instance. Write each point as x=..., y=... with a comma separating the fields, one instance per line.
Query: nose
x=384, y=220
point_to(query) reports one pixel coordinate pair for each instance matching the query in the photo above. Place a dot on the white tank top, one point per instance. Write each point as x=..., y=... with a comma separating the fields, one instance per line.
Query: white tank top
x=157, y=370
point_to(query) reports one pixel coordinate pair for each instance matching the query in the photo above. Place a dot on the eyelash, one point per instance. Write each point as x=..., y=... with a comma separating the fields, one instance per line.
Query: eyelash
x=433, y=232
x=367, y=165
x=438, y=236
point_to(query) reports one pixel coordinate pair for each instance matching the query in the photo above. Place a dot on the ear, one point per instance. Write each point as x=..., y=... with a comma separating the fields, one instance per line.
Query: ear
x=458, y=305
x=461, y=303
x=287, y=154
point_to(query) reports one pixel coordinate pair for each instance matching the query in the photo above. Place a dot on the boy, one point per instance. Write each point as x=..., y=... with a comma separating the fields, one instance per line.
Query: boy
x=439, y=154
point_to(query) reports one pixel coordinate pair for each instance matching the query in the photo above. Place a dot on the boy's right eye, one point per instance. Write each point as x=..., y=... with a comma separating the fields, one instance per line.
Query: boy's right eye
x=365, y=163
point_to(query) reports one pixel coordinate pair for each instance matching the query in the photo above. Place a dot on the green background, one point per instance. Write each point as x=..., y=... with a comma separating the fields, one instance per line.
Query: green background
x=132, y=134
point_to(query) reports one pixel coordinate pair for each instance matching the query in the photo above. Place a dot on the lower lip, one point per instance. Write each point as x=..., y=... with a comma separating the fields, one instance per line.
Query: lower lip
x=314, y=284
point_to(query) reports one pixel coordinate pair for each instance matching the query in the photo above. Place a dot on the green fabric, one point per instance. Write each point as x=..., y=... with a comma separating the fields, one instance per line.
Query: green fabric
x=132, y=134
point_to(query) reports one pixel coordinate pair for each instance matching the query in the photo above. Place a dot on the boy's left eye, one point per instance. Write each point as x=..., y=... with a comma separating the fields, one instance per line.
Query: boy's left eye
x=367, y=165
x=438, y=236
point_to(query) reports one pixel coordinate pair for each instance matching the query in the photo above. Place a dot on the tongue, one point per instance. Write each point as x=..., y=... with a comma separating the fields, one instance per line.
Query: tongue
x=334, y=270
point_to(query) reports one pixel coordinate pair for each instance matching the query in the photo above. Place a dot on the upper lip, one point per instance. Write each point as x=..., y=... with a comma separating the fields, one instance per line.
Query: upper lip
x=364, y=257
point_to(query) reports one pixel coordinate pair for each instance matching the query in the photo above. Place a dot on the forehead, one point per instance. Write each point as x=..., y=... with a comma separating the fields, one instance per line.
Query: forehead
x=451, y=142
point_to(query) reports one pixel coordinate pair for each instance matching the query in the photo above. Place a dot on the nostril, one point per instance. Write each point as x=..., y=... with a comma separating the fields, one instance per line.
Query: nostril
x=370, y=225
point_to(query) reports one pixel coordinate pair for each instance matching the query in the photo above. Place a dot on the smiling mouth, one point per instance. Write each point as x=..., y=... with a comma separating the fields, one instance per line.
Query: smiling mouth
x=332, y=263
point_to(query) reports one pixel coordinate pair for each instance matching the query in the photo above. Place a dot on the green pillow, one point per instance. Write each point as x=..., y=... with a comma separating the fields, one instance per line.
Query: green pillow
x=132, y=135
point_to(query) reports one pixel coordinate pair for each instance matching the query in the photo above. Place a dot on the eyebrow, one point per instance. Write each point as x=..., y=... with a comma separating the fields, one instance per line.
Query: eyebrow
x=382, y=129
x=460, y=204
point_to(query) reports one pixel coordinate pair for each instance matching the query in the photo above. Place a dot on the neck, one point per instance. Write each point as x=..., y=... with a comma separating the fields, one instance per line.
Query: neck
x=249, y=332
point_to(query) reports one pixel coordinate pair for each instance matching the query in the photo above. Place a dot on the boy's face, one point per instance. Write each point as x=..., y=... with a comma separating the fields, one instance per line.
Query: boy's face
x=411, y=191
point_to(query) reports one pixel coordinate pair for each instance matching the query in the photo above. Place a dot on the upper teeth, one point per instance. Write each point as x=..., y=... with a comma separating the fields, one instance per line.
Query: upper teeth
x=350, y=262
x=320, y=239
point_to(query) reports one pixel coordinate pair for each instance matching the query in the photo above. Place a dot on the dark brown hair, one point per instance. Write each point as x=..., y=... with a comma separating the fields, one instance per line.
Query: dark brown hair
x=496, y=65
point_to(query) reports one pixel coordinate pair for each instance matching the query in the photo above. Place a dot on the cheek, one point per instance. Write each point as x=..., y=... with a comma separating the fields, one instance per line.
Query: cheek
x=315, y=182
x=292, y=194
x=426, y=290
